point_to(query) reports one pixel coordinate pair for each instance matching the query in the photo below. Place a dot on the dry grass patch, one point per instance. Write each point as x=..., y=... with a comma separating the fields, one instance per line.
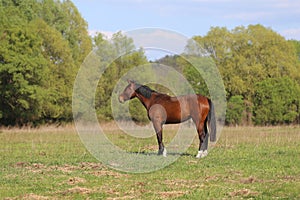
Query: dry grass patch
x=29, y=197
x=243, y=193
x=171, y=194
x=76, y=190
x=108, y=173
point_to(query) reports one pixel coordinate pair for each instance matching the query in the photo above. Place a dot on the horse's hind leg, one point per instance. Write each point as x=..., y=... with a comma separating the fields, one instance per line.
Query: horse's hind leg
x=203, y=137
x=204, y=145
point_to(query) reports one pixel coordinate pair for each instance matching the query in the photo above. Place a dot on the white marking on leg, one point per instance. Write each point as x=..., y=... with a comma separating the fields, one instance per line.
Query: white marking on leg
x=202, y=154
x=199, y=154
x=165, y=152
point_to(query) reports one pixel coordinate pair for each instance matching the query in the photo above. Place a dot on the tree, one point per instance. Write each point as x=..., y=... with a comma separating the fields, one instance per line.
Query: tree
x=22, y=70
x=42, y=46
x=247, y=55
x=62, y=73
x=117, y=56
x=277, y=101
x=235, y=109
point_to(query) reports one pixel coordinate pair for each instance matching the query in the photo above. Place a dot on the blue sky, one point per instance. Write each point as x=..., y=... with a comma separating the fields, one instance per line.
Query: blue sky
x=190, y=17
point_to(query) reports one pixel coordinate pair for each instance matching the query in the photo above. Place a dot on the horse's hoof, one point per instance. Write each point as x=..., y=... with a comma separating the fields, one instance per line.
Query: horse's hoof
x=202, y=154
x=162, y=152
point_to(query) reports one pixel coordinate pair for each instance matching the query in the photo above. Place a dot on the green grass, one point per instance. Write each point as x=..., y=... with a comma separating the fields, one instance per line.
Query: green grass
x=247, y=162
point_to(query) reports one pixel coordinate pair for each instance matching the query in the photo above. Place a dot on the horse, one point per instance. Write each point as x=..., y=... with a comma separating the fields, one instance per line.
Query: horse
x=164, y=109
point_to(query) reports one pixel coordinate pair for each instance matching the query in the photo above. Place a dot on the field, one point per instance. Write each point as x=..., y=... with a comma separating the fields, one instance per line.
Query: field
x=247, y=162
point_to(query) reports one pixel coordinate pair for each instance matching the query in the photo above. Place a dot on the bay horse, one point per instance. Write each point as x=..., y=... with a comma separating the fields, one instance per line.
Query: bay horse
x=164, y=109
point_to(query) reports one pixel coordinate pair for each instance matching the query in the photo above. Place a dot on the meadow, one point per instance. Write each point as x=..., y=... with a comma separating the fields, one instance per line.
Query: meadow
x=246, y=163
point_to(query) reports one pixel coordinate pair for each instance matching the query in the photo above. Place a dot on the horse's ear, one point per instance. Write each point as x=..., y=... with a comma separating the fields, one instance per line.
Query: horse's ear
x=130, y=81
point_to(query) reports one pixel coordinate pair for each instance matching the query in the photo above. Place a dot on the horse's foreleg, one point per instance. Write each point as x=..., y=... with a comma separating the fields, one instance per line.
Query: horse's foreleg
x=158, y=129
x=161, y=150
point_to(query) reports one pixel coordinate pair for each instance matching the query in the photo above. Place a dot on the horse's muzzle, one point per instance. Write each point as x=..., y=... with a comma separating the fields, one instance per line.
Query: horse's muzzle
x=121, y=99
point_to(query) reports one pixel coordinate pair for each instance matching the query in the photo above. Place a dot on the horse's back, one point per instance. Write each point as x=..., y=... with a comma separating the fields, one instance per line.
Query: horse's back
x=180, y=108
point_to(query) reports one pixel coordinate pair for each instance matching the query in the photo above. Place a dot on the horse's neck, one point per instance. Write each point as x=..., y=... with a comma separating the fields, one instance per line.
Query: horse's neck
x=145, y=101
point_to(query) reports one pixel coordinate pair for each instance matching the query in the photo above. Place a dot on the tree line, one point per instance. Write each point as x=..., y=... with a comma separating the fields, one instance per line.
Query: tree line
x=261, y=74
x=260, y=70
x=43, y=44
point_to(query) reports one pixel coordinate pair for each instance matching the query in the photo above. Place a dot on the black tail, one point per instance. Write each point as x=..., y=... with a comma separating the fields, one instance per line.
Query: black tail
x=212, y=122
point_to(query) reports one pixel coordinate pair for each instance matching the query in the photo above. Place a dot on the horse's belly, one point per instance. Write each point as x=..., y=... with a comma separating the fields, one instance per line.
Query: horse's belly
x=175, y=111
x=176, y=120
x=177, y=116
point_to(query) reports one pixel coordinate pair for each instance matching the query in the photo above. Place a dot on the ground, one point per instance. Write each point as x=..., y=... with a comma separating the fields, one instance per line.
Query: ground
x=247, y=162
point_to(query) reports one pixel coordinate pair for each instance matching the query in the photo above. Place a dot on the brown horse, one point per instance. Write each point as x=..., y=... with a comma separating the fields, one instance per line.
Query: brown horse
x=163, y=109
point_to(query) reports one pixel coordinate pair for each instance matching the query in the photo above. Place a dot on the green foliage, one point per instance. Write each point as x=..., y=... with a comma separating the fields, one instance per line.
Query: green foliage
x=296, y=44
x=276, y=101
x=245, y=56
x=189, y=71
x=235, y=109
x=42, y=45
x=117, y=55
x=22, y=68
x=137, y=111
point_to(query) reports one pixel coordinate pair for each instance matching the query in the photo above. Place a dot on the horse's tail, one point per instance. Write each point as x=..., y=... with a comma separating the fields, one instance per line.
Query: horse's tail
x=211, y=122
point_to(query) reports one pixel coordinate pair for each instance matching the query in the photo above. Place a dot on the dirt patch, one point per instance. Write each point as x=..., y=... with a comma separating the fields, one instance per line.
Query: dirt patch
x=121, y=198
x=101, y=173
x=290, y=178
x=75, y=180
x=96, y=169
x=243, y=193
x=149, y=148
x=91, y=166
x=86, y=166
x=77, y=190
x=29, y=197
x=65, y=168
x=38, y=167
x=21, y=164
x=172, y=194
x=212, y=178
x=34, y=197
x=180, y=183
x=249, y=180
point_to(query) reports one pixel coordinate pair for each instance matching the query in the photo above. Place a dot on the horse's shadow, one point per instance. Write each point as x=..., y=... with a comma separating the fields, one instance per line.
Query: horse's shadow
x=155, y=153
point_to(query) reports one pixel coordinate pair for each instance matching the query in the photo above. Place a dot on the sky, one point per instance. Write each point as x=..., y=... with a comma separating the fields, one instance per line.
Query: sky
x=190, y=17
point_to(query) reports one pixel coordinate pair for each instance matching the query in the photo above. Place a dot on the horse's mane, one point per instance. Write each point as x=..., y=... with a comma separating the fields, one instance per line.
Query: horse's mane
x=144, y=90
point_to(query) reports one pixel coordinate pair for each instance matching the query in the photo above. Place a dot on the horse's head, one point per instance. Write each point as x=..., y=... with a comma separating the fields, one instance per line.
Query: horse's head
x=129, y=92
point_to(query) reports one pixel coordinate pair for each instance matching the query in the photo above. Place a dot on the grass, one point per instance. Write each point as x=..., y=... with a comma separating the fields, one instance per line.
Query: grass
x=247, y=162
